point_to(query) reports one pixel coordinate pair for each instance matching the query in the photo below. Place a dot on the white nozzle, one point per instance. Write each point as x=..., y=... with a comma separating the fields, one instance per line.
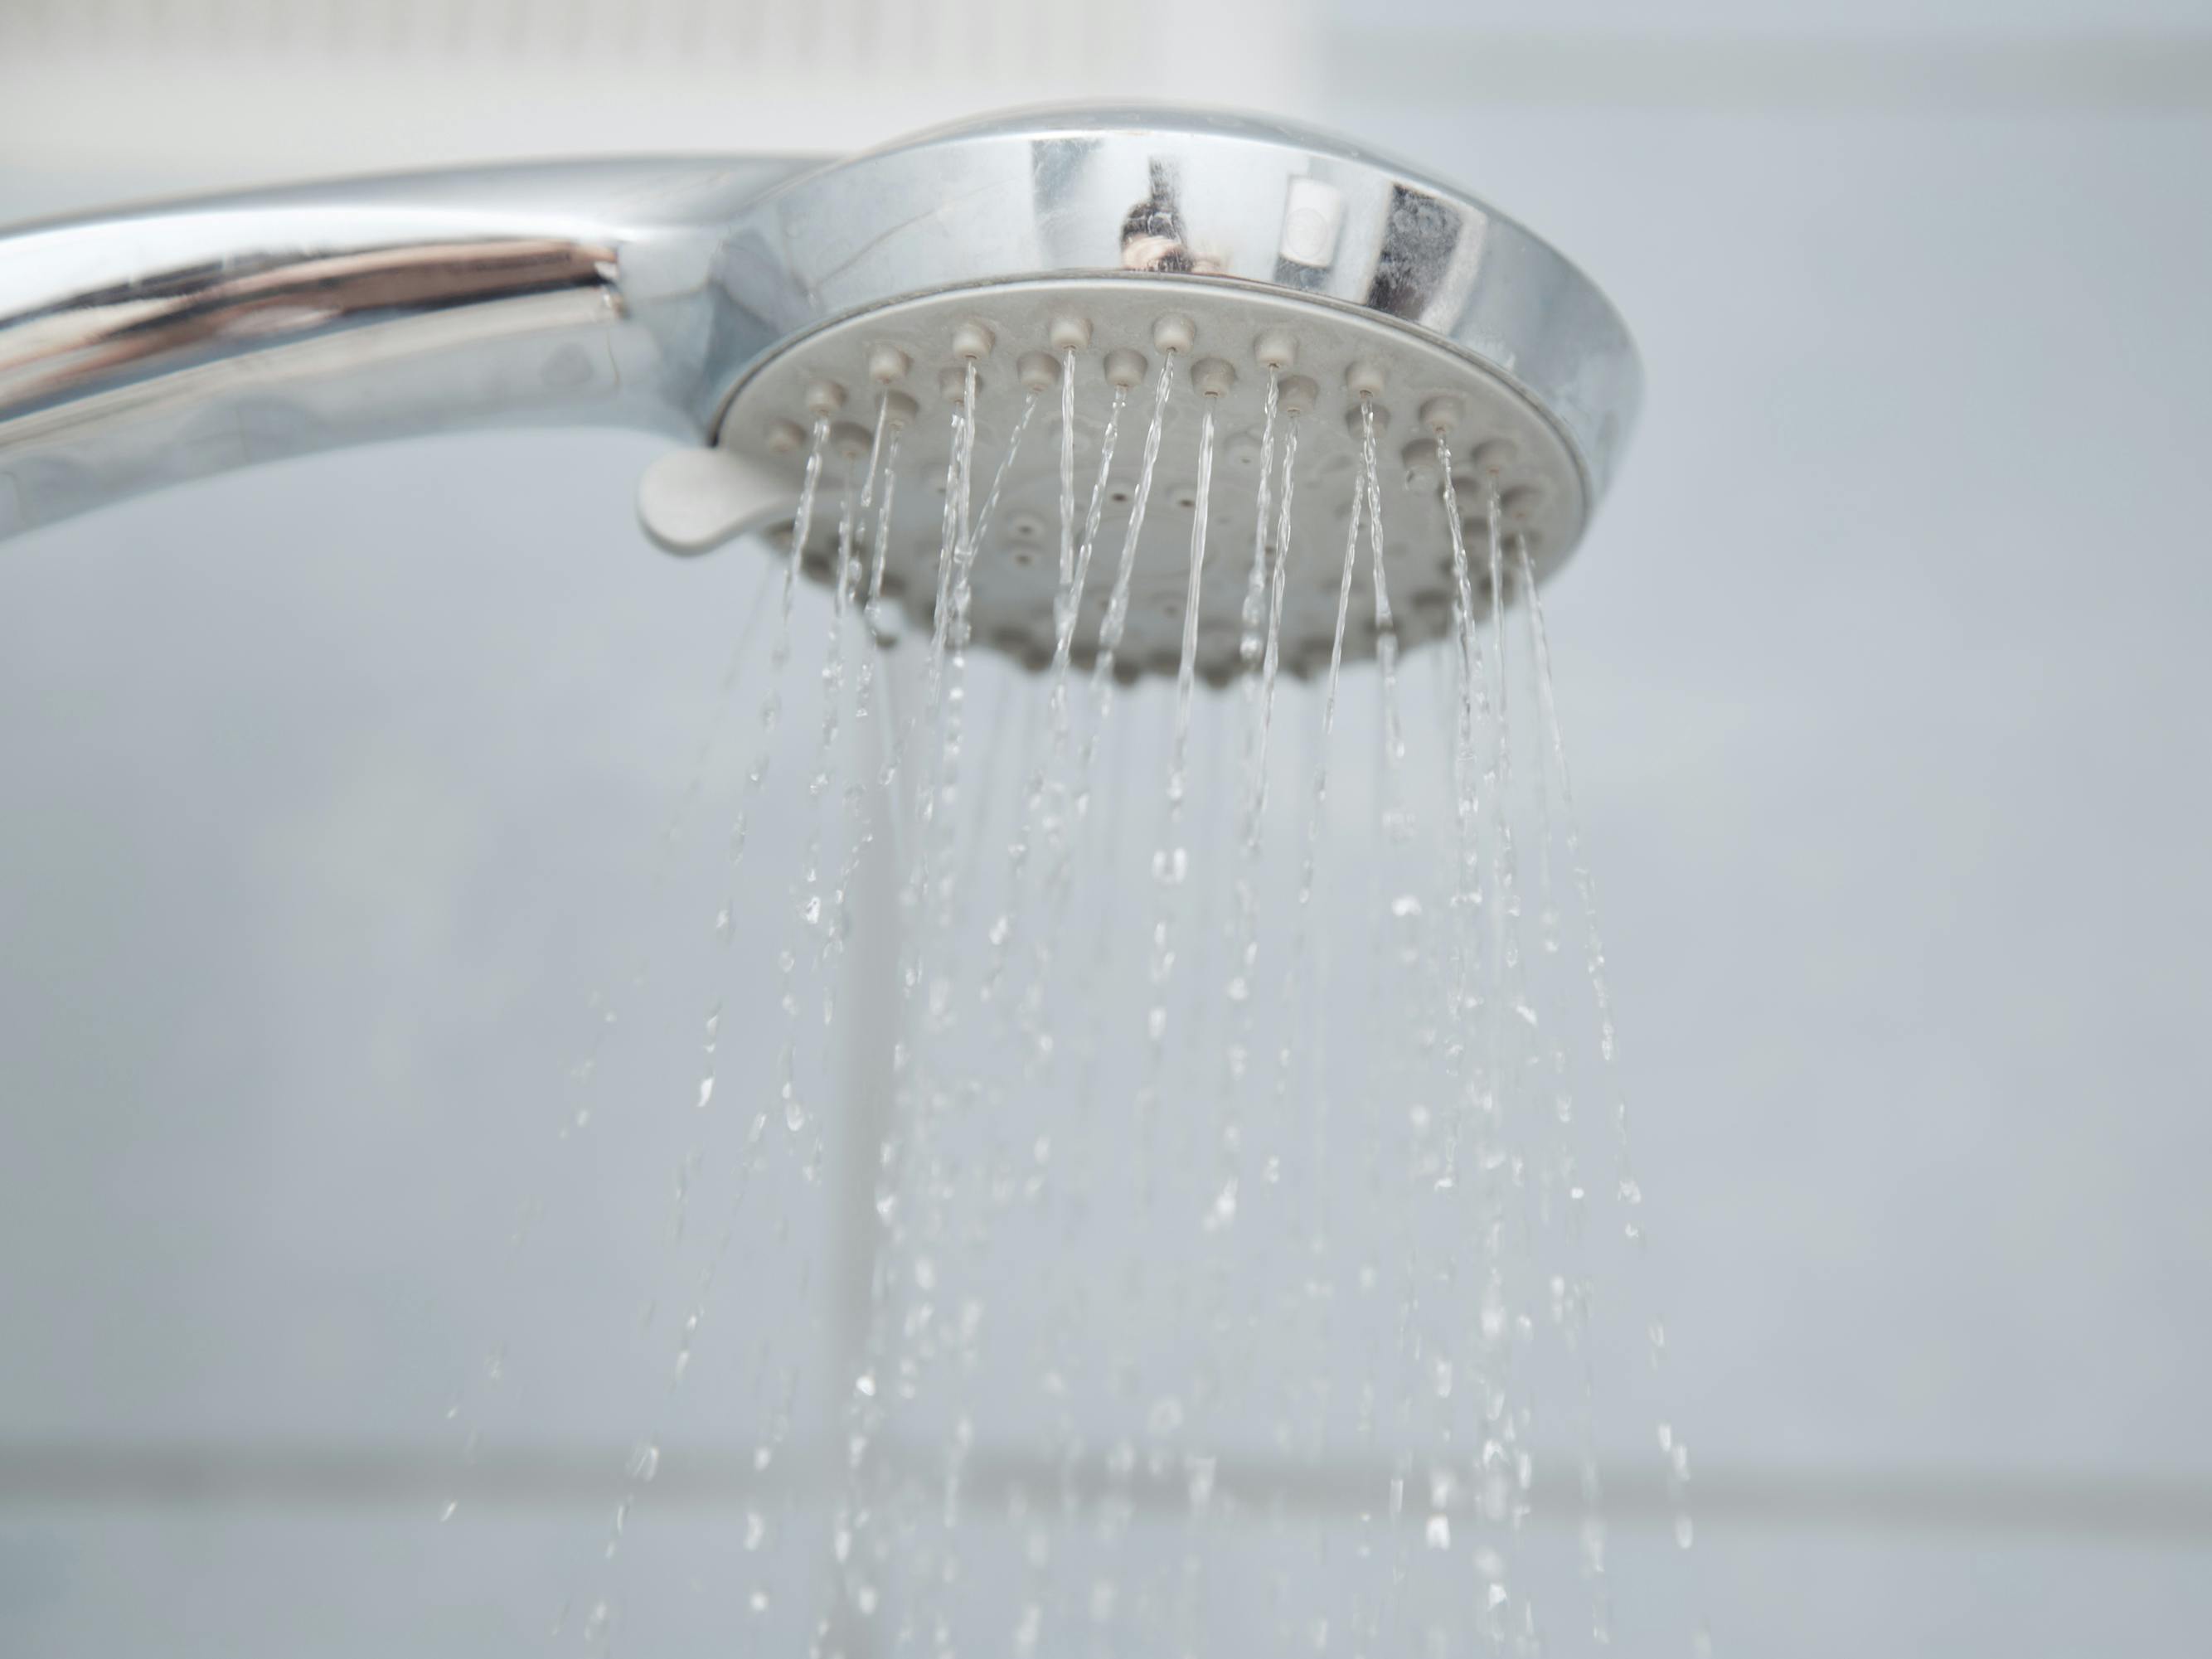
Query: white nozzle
x=1174, y=333
x=1124, y=369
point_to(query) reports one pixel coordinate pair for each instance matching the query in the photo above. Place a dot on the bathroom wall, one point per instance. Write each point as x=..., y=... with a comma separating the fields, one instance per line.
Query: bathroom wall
x=335, y=790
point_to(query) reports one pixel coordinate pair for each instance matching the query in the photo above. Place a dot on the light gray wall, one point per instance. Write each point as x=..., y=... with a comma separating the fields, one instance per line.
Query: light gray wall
x=333, y=791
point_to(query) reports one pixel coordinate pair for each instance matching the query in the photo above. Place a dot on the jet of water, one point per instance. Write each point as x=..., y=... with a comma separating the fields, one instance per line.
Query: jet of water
x=1170, y=864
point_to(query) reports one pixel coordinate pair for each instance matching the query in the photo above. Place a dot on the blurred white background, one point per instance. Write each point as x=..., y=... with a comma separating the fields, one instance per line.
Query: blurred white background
x=331, y=791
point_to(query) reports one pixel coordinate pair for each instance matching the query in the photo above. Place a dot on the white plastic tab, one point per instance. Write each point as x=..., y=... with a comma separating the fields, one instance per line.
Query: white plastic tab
x=692, y=501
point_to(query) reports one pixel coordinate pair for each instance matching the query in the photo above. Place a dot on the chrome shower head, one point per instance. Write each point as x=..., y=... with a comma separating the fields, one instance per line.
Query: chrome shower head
x=740, y=303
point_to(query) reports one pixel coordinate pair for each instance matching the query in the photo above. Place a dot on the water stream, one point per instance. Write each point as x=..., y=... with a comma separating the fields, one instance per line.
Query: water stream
x=1209, y=1274
x=1171, y=864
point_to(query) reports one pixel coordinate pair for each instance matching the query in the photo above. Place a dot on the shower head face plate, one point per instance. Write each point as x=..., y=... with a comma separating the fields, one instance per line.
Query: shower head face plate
x=1247, y=228
x=1499, y=441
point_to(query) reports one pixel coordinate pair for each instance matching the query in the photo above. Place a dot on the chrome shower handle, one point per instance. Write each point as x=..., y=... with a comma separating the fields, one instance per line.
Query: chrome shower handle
x=147, y=348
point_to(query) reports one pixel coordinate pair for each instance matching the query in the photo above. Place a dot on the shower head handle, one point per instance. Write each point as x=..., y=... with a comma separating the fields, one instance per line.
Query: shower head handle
x=146, y=348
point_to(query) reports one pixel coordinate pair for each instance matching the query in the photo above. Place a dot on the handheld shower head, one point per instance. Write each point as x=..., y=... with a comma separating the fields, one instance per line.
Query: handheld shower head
x=740, y=303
